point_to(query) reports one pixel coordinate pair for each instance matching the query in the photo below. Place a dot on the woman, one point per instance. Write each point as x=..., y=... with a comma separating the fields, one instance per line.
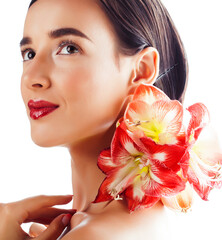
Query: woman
x=82, y=62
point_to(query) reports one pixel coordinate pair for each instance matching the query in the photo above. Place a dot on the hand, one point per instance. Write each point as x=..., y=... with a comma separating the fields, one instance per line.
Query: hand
x=35, y=209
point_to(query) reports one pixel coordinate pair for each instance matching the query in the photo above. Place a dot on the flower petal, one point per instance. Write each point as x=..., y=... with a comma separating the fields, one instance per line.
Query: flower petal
x=135, y=135
x=205, y=164
x=167, y=155
x=136, y=112
x=184, y=163
x=123, y=149
x=161, y=121
x=116, y=182
x=162, y=182
x=105, y=162
x=204, y=177
x=135, y=203
x=207, y=147
x=103, y=193
x=124, y=177
x=149, y=94
x=181, y=202
x=202, y=189
x=199, y=118
x=170, y=114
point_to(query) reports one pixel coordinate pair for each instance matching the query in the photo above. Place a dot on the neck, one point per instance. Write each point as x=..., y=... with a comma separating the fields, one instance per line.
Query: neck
x=86, y=176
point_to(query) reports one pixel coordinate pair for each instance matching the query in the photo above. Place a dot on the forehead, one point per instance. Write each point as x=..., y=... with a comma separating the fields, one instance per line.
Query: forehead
x=86, y=15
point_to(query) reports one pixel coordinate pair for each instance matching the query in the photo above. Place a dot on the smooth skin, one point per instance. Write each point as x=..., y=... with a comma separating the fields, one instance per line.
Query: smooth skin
x=92, y=82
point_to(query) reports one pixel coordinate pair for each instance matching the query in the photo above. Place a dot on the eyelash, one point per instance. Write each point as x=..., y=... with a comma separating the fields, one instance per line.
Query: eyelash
x=64, y=43
x=61, y=45
x=24, y=52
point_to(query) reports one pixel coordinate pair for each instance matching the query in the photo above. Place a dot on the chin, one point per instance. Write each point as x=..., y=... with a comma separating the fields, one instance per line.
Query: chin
x=50, y=137
x=43, y=142
x=45, y=139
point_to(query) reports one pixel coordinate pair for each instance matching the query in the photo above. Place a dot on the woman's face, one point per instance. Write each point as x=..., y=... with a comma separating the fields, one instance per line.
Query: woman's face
x=70, y=60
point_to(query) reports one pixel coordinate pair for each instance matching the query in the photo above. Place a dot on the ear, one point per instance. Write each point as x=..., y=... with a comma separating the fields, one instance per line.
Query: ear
x=146, y=68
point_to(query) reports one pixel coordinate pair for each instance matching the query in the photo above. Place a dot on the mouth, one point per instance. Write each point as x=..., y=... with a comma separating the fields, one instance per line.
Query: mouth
x=41, y=108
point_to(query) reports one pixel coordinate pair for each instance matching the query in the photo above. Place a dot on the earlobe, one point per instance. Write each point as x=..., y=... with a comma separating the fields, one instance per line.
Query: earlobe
x=146, y=68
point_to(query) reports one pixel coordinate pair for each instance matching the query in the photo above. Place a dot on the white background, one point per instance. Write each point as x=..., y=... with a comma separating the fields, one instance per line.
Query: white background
x=27, y=170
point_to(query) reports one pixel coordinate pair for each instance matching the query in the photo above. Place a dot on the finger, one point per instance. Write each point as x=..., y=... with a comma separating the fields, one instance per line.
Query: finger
x=46, y=215
x=27, y=206
x=36, y=229
x=56, y=228
x=40, y=201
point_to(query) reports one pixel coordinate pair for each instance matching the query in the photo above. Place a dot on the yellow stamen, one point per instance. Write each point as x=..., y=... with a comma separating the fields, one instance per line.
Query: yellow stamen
x=191, y=137
x=151, y=129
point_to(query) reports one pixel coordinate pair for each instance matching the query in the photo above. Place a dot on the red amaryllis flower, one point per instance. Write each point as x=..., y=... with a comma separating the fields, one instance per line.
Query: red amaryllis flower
x=204, y=170
x=156, y=152
x=153, y=113
x=141, y=175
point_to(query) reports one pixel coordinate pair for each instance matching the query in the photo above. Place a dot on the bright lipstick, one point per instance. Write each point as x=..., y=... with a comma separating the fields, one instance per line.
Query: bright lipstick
x=40, y=108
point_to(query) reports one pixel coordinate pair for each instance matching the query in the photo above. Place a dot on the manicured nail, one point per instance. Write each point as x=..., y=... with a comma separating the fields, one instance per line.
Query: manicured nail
x=69, y=195
x=72, y=211
x=66, y=219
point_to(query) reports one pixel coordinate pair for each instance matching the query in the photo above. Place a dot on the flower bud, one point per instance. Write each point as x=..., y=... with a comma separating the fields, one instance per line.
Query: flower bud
x=181, y=202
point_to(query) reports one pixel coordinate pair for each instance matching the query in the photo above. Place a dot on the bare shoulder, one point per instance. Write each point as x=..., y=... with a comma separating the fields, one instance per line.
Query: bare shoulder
x=147, y=224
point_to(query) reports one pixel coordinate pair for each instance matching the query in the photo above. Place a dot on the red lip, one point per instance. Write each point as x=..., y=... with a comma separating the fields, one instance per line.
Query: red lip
x=41, y=108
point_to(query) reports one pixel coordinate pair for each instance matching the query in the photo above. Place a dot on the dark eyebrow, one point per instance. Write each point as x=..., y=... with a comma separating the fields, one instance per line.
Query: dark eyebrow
x=25, y=41
x=57, y=34
x=67, y=31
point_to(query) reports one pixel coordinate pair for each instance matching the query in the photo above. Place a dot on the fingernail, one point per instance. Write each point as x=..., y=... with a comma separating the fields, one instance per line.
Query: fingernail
x=69, y=195
x=66, y=219
x=72, y=211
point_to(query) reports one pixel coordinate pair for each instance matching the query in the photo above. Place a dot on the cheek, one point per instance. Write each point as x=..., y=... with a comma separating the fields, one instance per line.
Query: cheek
x=24, y=91
x=92, y=94
x=90, y=81
x=22, y=87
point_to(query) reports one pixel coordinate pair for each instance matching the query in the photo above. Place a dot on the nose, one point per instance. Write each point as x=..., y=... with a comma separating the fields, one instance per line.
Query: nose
x=36, y=74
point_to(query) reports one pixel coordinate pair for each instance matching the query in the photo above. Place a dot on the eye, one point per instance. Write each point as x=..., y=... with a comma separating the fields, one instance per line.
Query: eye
x=28, y=54
x=68, y=48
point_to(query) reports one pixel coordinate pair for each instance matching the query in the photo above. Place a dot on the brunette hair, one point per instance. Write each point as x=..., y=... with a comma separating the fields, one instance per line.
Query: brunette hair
x=144, y=23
